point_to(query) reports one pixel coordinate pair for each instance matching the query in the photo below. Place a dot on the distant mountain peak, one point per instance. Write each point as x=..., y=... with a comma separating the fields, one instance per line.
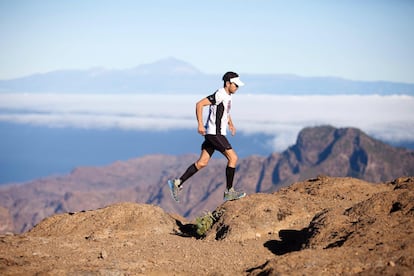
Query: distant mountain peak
x=167, y=66
x=180, y=77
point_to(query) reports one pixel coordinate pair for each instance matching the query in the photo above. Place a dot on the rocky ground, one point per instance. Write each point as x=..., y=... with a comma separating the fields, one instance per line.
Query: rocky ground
x=322, y=226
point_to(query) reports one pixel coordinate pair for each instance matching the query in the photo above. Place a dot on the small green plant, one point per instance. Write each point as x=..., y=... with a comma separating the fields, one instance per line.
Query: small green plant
x=204, y=223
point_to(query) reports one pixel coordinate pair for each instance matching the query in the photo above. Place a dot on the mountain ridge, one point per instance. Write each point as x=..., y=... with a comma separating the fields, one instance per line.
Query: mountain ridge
x=144, y=179
x=171, y=75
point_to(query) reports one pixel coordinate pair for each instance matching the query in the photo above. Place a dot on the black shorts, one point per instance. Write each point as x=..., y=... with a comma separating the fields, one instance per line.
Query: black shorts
x=215, y=142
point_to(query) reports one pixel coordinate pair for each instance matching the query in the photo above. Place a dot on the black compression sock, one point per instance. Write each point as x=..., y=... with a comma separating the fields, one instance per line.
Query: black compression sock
x=230, y=176
x=191, y=170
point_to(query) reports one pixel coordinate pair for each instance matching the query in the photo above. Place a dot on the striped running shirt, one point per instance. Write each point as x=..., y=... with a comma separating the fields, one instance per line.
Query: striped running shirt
x=217, y=120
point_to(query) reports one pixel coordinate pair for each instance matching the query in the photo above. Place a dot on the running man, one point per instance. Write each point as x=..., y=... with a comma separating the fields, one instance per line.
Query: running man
x=214, y=132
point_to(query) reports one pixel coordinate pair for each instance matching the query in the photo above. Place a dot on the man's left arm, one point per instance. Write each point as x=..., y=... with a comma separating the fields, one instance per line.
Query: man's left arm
x=231, y=126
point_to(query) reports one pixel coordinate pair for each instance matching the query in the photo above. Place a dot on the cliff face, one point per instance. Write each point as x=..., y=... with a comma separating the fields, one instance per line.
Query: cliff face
x=318, y=151
x=338, y=152
x=321, y=226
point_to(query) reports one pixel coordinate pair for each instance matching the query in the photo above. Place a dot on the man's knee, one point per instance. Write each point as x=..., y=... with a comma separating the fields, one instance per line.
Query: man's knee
x=236, y=158
x=201, y=164
x=232, y=158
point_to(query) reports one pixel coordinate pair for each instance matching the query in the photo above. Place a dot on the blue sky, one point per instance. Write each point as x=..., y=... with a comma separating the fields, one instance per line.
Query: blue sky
x=360, y=40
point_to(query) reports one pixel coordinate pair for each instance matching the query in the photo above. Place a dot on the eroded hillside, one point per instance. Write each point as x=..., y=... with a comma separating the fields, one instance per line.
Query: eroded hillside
x=319, y=150
x=321, y=226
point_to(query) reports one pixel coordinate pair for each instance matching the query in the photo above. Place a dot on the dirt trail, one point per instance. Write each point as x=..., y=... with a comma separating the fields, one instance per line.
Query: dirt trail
x=322, y=226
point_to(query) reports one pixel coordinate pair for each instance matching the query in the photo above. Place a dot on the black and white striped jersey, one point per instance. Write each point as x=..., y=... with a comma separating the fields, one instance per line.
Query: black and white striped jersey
x=217, y=120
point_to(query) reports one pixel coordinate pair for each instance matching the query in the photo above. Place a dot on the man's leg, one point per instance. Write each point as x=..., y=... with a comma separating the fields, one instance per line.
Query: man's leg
x=176, y=184
x=198, y=165
x=231, y=156
x=230, y=193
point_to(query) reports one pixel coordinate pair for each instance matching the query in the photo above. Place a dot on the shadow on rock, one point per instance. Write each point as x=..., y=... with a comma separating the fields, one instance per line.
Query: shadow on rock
x=188, y=230
x=290, y=240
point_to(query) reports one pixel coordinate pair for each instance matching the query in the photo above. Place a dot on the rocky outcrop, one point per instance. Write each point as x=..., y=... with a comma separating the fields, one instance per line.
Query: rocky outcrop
x=320, y=226
x=337, y=152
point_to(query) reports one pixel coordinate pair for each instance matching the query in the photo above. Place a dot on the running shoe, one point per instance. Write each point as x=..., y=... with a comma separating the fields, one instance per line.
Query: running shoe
x=232, y=194
x=175, y=188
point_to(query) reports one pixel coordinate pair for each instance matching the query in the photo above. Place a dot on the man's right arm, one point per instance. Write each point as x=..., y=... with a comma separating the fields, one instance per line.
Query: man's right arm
x=199, y=114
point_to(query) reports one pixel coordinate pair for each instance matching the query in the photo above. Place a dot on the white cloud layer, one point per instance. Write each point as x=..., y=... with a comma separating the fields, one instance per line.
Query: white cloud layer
x=390, y=118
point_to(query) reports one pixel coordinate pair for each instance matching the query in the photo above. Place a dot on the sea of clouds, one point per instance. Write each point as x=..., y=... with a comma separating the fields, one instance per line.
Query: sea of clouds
x=389, y=118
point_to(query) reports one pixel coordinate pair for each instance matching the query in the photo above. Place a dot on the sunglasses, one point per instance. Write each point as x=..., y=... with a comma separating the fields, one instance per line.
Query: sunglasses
x=235, y=85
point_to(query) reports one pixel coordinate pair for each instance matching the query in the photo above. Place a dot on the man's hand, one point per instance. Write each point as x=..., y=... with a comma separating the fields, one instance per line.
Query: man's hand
x=199, y=114
x=232, y=129
x=202, y=130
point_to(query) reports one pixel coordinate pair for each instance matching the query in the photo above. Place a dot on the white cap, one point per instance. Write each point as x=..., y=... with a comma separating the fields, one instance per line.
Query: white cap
x=237, y=81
